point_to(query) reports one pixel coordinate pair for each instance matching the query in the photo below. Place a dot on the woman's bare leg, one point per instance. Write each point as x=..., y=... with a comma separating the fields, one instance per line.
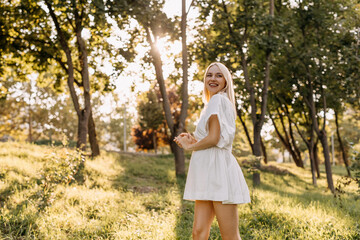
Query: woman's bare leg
x=228, y=219
x=203, y=217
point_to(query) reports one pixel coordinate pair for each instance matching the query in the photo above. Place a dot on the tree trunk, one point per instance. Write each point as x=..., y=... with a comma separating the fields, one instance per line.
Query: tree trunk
x=313, y=167
x=85, y=82
x=154, y=141
x=82, y=130
x=177, y=151
x=310, y=145
x=316, y=158
x=257, y=119
x=320, y=133
x=239, y=113
x=184, y=87
x=257, y=153
x=179, y=159
x=95, y=150
x=81, y=141
x=296, y=149
x=30, y=136
x=286, y=142
x=257, y=141
x=83, y=114
x=314, y=163
x=324, y=143
x=263, y=151
x=343, y=151
x=85, y=78
x=308, y=97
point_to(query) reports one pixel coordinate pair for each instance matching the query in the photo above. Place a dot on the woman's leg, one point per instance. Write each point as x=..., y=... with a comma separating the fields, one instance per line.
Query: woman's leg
x=228, y=219
x=203, y=217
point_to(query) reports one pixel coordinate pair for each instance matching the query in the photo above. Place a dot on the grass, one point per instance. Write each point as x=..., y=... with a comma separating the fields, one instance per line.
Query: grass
x=138, y=197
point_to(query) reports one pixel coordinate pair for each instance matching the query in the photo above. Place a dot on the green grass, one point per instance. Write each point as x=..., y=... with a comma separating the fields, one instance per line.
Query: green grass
x=138, y=197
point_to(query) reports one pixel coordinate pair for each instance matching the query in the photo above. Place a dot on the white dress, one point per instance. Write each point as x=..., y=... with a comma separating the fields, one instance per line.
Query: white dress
x=214, y=174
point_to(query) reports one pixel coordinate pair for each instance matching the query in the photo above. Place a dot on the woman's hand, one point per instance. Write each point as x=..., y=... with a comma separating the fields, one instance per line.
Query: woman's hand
x=185, y=140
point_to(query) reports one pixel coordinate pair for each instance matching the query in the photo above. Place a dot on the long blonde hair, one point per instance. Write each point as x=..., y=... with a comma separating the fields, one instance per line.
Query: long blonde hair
x=229, y=87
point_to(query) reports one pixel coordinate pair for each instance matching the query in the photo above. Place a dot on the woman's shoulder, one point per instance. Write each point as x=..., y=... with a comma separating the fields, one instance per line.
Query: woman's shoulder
x=219, y=98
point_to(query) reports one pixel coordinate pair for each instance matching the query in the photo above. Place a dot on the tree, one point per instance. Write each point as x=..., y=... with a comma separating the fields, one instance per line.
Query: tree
x=150, y=115
x=315, y=58
x=42, y=35
x=37, y=110
x=155, y=24
x=285, y=135
x=243, y=36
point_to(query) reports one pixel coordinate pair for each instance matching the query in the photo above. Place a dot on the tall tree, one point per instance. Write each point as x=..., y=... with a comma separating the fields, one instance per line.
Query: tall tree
x=43, y=35
x=76, y=18
x=314, y=52
x=241, y=35
x=341, y=144
x=154, y=25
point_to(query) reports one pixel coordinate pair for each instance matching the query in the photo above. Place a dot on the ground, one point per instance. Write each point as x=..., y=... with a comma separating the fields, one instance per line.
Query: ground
x=46, y=193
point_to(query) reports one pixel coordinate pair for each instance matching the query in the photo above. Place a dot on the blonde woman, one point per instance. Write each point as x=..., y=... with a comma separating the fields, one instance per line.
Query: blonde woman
x=215, y=181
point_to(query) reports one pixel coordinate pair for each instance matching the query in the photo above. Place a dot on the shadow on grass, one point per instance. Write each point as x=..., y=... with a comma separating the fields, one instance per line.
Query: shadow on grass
x=305, y=198
x=155, y=174
x=144, y=172
x=17, y=223
x=184, y=218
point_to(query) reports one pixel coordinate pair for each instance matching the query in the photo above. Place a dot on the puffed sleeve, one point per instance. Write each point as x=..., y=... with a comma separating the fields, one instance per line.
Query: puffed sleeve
x=220, y=106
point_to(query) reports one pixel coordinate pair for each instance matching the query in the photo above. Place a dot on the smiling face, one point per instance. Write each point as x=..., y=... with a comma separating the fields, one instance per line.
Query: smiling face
x=214, y=80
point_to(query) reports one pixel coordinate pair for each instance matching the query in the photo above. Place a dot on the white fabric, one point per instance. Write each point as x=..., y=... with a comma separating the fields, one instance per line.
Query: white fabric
x=214, y=174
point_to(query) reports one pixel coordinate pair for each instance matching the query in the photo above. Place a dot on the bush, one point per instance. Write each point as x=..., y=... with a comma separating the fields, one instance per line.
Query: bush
x=345, y=181
x=355, y=168
x=64, y=168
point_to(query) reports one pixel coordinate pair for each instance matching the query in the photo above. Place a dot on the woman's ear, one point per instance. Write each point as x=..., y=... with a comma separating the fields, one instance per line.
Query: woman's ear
x=226, y=85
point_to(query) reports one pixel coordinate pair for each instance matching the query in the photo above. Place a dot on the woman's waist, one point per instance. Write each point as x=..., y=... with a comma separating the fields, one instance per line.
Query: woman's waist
x=214, y=150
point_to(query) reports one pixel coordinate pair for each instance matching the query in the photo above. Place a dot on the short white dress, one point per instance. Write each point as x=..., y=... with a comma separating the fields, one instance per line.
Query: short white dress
x=214, y=174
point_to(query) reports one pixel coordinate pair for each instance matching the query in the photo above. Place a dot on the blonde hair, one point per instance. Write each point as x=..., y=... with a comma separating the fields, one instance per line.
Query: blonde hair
x=229, y=87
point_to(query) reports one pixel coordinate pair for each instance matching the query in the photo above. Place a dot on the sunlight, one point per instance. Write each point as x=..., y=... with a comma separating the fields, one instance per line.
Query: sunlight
x=165, y=46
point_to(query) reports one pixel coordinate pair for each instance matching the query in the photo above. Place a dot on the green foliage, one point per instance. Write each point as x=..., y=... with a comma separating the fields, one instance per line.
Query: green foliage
x=150, y=118
x=342, y=185
x=150, y=112
x=355, y=168
x=148, y=14
x=52, y=114
x=33, y=41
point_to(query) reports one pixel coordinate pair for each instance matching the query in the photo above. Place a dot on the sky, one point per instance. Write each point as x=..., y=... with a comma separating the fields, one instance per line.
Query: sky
x=173, y=8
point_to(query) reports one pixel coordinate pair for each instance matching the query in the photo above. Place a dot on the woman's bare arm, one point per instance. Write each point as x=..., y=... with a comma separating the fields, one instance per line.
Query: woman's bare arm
x=207, y=142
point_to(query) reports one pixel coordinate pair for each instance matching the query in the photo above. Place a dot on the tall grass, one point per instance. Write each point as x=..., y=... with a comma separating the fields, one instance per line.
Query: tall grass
x=138, y=197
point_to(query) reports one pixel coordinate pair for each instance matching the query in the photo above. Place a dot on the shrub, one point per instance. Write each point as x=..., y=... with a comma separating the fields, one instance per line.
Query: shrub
x=345, y=181
x=355, y=168
x=60, y=168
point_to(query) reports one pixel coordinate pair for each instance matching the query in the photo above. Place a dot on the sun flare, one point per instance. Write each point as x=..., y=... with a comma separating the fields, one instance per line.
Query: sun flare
x=166, y=47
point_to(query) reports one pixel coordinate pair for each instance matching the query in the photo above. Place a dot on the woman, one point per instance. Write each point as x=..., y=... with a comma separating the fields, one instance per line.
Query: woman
x=215, y=181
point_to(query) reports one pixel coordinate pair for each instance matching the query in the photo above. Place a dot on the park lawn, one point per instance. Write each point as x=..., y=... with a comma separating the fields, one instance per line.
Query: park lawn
x=123, y=196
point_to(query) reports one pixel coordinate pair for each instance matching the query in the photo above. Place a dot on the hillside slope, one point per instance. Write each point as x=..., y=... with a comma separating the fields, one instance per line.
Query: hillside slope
x=47, y=193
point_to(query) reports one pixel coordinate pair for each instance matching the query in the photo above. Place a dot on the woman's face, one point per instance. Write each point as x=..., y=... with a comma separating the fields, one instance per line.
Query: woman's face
x=214, y=80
